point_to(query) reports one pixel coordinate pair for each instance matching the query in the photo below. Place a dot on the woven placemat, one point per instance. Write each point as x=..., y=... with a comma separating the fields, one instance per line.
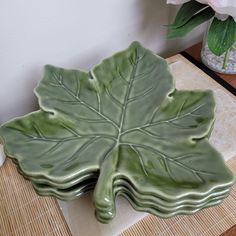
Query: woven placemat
x=23, y=212
x=209, y=222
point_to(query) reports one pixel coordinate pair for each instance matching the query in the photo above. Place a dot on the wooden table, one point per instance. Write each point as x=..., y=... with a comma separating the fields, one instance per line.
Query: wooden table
x=193, y=54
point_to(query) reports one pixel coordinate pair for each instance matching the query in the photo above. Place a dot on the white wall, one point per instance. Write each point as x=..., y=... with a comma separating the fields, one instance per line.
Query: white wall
x=72, y=33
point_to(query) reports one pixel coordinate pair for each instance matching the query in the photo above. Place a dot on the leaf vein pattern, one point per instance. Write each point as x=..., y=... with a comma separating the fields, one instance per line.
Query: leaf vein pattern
x=145, y=93
x=172, y=160
x=82, y=148
x=132, y=77
x=140, y=159
x=170, y=121
x=60, y=81
x=74, y=137
x=113, y=99
x=143, y=75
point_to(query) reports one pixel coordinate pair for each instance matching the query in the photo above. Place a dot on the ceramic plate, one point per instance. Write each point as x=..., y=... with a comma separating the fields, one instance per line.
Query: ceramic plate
x=123, y=119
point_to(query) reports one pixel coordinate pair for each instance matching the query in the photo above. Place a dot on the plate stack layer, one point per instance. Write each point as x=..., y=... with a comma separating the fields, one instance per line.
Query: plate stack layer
x=121, y=129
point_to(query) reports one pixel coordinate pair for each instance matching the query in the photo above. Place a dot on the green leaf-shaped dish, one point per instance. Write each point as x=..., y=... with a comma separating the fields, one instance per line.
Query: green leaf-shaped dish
x=122, y=120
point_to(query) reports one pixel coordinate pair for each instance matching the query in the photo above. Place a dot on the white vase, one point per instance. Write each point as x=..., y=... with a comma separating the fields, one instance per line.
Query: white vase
x=225, y=64
x=2, y=155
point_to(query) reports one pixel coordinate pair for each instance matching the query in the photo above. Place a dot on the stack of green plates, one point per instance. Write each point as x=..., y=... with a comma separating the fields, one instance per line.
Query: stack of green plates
x=121, y=129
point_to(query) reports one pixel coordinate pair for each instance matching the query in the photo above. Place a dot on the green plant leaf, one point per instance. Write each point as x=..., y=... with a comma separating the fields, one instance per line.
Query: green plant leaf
x=122, y=120
x=221, y=35
x=195, y=21
x=186, y=12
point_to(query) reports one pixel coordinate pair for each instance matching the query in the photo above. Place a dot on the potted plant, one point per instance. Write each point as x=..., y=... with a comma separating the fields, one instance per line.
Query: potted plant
x=219, y=45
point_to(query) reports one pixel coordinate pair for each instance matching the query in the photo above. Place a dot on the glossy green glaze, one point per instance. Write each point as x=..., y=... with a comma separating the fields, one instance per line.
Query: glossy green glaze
x=124, y=120
x=190, y=198
x=158, y=213
x=152, y=208
x=66, y=185
x=71, y=193
x=165, y=202
x=64, y=193
x=119, y=186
